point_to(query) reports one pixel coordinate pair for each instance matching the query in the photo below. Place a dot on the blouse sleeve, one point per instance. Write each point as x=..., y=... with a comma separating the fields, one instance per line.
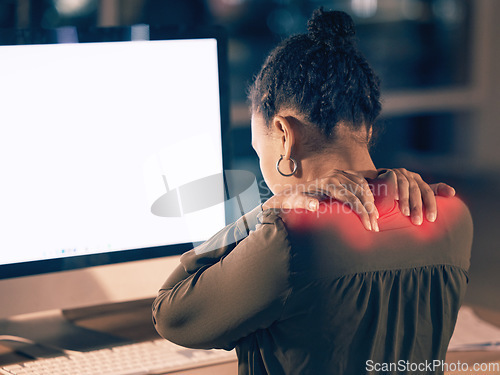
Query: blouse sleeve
x=216, y=297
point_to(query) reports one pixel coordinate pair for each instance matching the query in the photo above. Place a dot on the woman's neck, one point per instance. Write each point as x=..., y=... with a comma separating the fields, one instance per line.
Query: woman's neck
x=348, y=152
x=350, y=159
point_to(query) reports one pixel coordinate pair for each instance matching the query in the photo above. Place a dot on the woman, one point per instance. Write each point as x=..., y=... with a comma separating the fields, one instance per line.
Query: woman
x=321, y=291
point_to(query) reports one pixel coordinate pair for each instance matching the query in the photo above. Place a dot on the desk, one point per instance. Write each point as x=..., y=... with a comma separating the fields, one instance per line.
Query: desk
x=482, y=357
x=133, y=321
x=130, y=321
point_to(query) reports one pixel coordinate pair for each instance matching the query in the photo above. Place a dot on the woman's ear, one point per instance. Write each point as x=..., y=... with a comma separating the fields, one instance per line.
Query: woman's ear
x=286, y=133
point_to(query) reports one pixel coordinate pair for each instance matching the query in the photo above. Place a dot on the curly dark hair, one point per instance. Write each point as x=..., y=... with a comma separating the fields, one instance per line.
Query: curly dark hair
x=322, y=74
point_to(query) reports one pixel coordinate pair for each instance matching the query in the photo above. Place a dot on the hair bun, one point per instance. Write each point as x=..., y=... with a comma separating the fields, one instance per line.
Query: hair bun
x=331, y=27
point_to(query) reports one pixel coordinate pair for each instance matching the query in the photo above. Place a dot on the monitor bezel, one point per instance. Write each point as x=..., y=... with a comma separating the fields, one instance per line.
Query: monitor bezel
x=9, y=37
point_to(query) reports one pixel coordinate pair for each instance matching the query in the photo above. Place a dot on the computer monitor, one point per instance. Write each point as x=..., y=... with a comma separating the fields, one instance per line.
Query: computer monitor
x=98, y=127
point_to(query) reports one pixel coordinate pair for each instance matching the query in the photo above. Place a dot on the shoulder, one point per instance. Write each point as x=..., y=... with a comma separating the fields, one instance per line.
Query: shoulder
x=270, y=227
x=331, y=214
x=453, y=208
x=452, y=212
x=267, y=241
x=455, y=219
x=335, y=230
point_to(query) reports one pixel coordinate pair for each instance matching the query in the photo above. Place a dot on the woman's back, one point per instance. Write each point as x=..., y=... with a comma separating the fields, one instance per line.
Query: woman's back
x=363, y=300
x=316, y=293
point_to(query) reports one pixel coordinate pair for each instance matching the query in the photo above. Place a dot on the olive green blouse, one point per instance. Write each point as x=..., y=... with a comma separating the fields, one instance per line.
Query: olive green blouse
x=316, y=293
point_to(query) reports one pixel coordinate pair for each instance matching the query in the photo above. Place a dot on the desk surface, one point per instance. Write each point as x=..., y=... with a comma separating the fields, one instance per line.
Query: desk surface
x=133, y=321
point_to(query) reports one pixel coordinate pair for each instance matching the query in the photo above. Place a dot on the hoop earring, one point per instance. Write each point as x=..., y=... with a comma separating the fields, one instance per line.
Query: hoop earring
x=284, y=174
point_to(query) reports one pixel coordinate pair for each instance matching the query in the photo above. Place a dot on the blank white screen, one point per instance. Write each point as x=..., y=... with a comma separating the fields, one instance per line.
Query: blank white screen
x=88, y=130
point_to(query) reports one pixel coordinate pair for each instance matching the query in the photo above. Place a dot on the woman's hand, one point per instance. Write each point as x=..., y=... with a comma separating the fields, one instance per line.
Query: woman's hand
x=353, y=190
x=345, y=187
x=414, y=192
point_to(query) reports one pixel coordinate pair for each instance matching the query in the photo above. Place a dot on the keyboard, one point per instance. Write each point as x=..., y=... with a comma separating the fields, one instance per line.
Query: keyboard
x=151, y=357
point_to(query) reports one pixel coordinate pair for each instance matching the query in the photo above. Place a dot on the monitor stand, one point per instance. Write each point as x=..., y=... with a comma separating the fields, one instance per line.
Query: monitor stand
x=54, y=331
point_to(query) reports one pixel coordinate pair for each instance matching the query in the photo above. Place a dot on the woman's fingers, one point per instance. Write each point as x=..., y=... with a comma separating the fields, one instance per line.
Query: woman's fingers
x=354, y=191
x=292, y=201
x=403, y=192
x=428, y=198
x=360, y=188
x=410, y=196
x=415, y=193
x=344, y=187
x=346, y=197
x=442, y=190
x=415, y=202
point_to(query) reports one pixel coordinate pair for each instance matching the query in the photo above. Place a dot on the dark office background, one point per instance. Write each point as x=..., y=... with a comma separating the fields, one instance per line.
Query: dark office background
x=437, y=60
